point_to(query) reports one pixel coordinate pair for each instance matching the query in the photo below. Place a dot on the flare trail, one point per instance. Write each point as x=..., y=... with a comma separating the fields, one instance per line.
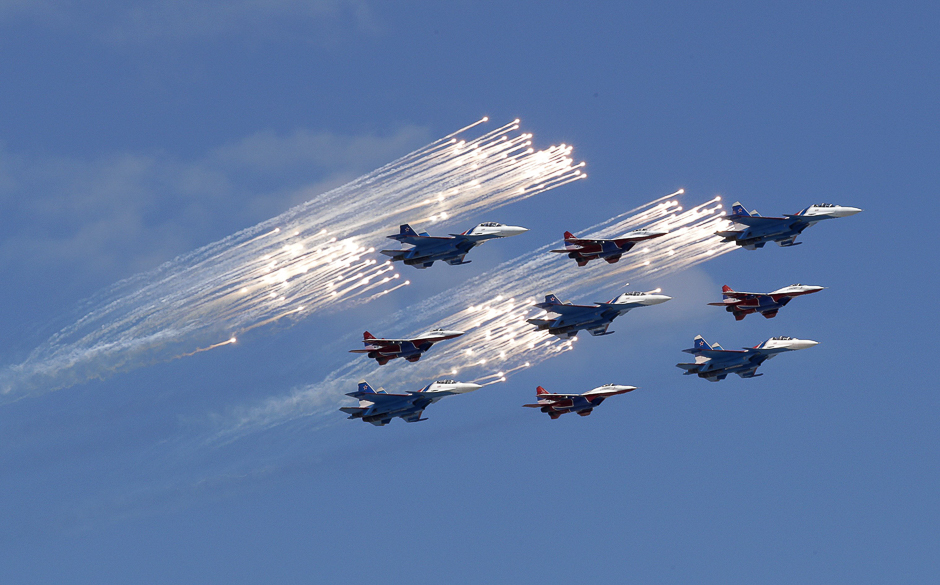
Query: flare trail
x=310, y=258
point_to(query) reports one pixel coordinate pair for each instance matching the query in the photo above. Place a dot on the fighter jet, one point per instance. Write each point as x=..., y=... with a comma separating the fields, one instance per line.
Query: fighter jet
x=767, y=304
x=714, y=363
x=379, y=407
x=583, y=251
x=383, y=350
x=451, y=249
x=595, y=318
x=556, y=405
x=751, y=231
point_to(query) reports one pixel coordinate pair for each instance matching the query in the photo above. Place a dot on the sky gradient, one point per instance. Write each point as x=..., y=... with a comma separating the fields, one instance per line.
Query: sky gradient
x=133, y=134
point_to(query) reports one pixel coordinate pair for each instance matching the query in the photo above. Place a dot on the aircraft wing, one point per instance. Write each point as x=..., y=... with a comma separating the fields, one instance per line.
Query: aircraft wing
x=381, y=343
x=738, y=294
x=622, y=242
x=432, y=246
x=585, y=242
x=376, y=344
x=752, y=220
x=727, y=302
x=581, y=245
x=551, y=397
x=760, y=352
x=418, y=239
x=568, y=309
x=717, y=354
x=379, y=398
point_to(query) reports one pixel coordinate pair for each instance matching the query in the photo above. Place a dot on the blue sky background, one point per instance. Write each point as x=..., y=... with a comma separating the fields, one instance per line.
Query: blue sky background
x=130, y=134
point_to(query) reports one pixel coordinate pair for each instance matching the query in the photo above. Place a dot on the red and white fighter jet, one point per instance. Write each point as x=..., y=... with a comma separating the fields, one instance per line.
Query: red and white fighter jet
x=556, y=405
x=383, y=350
x=584, y=250
x=742, y=304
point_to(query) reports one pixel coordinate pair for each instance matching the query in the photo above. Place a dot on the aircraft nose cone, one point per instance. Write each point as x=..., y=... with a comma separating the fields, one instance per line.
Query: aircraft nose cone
x=514, y=230
x=468, y=386
x=846, y=211
x=803, y=343
x=657, y=299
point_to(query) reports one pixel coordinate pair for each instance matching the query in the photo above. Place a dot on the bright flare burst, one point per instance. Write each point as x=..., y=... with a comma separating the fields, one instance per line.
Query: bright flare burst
x=310, y=258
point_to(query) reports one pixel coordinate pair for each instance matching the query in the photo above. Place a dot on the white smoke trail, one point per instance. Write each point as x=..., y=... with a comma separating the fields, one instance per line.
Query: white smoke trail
x=493, y=307
x=308, y=259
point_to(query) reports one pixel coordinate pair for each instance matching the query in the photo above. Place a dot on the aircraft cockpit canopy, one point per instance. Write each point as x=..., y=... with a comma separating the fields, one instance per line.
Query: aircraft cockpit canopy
x=491, y=224
x=782, y=338
x=446, y=382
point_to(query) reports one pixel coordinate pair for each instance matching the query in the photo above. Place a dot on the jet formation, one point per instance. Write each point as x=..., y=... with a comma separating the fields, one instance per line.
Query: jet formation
x=555, y=405
x=594, y=318
x=383, y=350
x=751, y=231
x=714, y=363
x=426, y=249
x=741, y=304
x=378, y=407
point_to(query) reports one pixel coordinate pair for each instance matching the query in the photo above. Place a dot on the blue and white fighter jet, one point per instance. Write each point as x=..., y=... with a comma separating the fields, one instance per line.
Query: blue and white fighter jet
x=751, y=231
x=379, y=407
x=714, y=363
x=555, y=405
x=595, y=318
x=451, y=249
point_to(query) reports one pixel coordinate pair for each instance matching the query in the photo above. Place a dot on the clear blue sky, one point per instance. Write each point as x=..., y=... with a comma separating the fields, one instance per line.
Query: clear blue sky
x=117, y=127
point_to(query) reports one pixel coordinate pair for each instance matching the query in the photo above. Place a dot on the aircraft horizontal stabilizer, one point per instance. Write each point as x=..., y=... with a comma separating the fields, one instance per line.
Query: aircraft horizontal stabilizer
x=354, y=411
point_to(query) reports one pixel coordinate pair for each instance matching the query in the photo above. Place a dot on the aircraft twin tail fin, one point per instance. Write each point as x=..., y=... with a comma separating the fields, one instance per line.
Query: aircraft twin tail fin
x=365, y=388
x=739, y=210
x=551, y=299
x=570, y=241
x=727, y=289
x=366, y=336
x=700, y=343
x=539, y=391
x=407, y=230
